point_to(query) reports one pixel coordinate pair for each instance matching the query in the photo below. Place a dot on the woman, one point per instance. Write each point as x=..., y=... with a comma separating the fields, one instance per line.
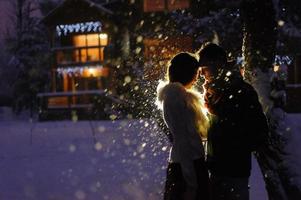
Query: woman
x=187, y=175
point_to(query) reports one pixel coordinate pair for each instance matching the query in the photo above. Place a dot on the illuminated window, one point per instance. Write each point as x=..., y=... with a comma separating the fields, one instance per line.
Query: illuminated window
x=161, y=5
x=93, y=54
x=79, y=40
x=95, y=44
x=90, y=40
x=93, y=40
x=103, y=39
x=154, y=5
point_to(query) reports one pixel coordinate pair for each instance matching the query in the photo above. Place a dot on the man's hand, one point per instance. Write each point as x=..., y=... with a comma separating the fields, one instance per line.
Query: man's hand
x=211, y=98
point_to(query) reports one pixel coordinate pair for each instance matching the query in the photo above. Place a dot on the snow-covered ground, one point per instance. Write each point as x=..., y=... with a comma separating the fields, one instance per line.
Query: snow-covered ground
x=91, y=160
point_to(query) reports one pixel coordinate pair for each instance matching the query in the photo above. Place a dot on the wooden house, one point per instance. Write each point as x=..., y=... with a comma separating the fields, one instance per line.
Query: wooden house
x=88, y=40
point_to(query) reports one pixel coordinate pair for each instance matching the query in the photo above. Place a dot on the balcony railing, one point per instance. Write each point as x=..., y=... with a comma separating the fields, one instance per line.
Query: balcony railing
x=92, y=104
x=79, y=55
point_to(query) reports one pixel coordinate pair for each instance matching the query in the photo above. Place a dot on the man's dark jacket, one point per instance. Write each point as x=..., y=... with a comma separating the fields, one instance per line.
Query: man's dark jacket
x=238, y=127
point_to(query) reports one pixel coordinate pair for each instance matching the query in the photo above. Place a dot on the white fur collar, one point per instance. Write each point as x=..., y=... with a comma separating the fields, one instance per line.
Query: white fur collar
x=192, y=98
x=175, y=90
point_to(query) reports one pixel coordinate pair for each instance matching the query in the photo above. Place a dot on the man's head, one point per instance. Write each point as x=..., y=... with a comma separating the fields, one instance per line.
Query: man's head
x=183, y=68
x=211, y=58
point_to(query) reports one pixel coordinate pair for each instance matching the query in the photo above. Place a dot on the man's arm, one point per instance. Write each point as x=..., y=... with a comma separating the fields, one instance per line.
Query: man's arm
x=255, y=119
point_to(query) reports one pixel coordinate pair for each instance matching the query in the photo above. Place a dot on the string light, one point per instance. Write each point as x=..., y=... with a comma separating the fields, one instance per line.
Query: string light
x=278, y=60
x=65, y=29
x=283, y=60
x=77, y=70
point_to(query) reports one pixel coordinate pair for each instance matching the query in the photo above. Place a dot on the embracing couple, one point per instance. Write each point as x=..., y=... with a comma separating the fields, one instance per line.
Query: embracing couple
x=227, y=113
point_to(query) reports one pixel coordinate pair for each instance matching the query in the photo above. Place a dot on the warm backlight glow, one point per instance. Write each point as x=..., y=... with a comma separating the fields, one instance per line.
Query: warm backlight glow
x=92, y=71
x=95, y=72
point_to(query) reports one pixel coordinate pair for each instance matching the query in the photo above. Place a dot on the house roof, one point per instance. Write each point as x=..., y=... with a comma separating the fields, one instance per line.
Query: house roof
x=71, y=11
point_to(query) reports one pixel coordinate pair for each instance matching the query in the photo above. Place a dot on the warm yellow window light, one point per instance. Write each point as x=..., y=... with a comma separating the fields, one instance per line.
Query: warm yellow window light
x=79, y=40
x=90, y=40
x=103, y=36
x=92, y=72
x=103, y=39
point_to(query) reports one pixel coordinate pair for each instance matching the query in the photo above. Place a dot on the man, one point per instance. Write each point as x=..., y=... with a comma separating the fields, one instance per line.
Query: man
x=238, y=124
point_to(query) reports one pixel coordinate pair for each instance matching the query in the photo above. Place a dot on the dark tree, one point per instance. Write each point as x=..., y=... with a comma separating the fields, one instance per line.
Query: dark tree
x=28, y=50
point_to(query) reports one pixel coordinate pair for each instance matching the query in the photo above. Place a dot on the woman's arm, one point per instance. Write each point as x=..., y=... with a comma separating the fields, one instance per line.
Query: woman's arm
x=176, y=114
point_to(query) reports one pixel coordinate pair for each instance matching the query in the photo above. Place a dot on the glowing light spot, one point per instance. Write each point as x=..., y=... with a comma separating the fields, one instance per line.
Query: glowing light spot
x=164, y=148
x=276, y=68
x=72, y=148
x=113, y=117
x=138, y=50
x=101, y=129
x=146, y=124
x=127, y=142
x=103, y=39
x=228, y=73
x=140, y=149
x=127, y=79
x=98, y=146
x=91, y=71
x=281, y=23
x=74, y=116
x=139, y=39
